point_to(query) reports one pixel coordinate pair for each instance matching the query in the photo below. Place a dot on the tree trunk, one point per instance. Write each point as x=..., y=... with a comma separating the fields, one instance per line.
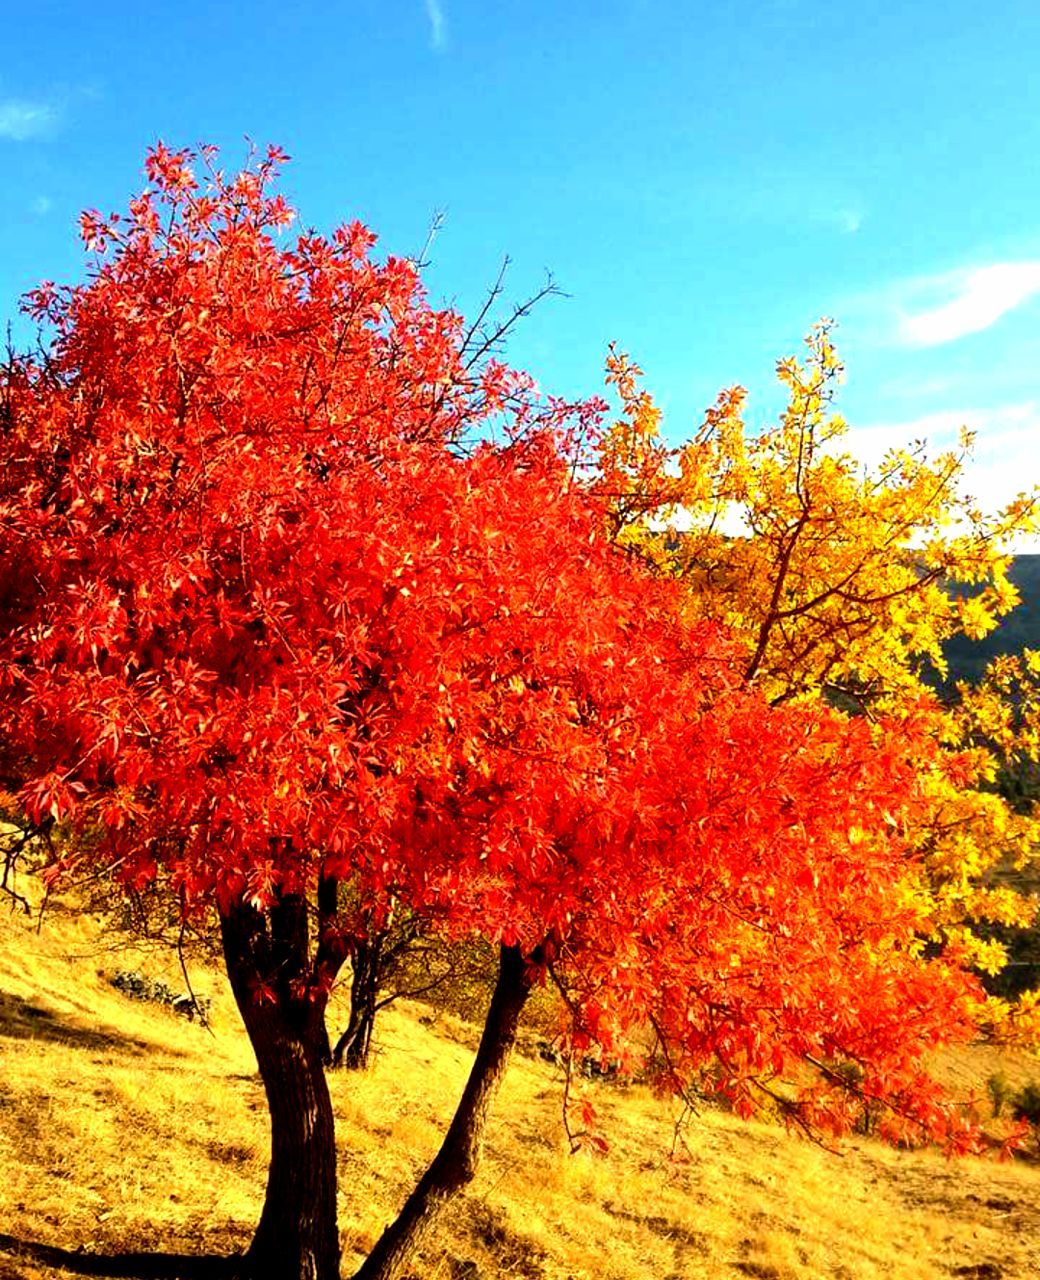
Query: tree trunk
x=352, y=1047
x=266, y=956
x=356, y=1056
x=455, y=1165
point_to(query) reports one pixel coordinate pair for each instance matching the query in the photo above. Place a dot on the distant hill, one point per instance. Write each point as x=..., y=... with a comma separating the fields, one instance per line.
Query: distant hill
x=1021, y=628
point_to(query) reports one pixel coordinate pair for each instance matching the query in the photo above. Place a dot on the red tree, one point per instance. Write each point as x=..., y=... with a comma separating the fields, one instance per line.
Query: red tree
x=295, y=589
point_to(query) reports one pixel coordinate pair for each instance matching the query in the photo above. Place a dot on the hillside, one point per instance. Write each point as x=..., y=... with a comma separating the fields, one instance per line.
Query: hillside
x=1021, y=628
x=132, y=1142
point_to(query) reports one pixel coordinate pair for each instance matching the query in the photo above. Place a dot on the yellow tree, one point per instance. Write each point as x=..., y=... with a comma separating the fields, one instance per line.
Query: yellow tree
x=845, y=582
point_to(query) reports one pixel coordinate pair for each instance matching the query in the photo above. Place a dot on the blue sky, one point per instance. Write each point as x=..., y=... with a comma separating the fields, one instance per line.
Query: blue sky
x=703, y=180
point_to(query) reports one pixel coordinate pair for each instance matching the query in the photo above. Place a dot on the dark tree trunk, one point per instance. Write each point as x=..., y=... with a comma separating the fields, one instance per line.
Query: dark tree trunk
x=353, y=1045
x=267, y=962
x=455, y=1165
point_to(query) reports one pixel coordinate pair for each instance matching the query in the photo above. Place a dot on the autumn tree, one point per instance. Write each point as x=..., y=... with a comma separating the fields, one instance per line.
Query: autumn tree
x=845, y=583
x=299, y=591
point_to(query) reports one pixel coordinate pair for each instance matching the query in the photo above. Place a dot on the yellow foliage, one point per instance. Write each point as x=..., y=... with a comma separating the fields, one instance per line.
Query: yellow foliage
x=1015, y=1024
x=839, y=578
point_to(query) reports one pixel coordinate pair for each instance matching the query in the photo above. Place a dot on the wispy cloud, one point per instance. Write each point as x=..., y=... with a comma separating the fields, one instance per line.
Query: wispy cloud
x=21, y=119
x=438, y=25
x=42, y=205
x=965, y=301
x=801, y=201
x=845, y=219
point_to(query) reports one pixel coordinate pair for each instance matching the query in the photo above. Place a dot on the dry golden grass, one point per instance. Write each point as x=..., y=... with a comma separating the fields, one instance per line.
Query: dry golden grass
x=125, y=1129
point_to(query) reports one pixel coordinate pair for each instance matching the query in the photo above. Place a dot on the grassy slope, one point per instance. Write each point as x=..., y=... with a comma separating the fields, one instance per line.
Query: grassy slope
x=123, y=1128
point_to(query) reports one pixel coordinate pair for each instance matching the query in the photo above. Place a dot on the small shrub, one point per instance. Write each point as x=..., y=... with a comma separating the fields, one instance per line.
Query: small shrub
x=1000, y=1091
x=138, y=987
x=1026, y=1103
x=869, y=1111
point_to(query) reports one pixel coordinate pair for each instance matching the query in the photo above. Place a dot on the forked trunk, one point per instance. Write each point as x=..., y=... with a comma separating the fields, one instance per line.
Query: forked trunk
x=297, y=1238
x=455, y=1165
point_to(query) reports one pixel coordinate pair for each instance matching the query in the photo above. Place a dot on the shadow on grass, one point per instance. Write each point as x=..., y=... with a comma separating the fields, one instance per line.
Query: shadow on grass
x=20, y=1020
x=133, y=1266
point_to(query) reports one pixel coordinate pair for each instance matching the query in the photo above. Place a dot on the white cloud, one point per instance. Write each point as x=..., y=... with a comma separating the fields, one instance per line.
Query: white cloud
x=968, y=301
x=21, y=119
x=42, y=205
x=1003, y=463
x=992, y=426
x=438, y=26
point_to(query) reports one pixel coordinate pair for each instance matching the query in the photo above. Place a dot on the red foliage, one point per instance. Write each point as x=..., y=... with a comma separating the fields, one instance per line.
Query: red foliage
x=291, y=586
